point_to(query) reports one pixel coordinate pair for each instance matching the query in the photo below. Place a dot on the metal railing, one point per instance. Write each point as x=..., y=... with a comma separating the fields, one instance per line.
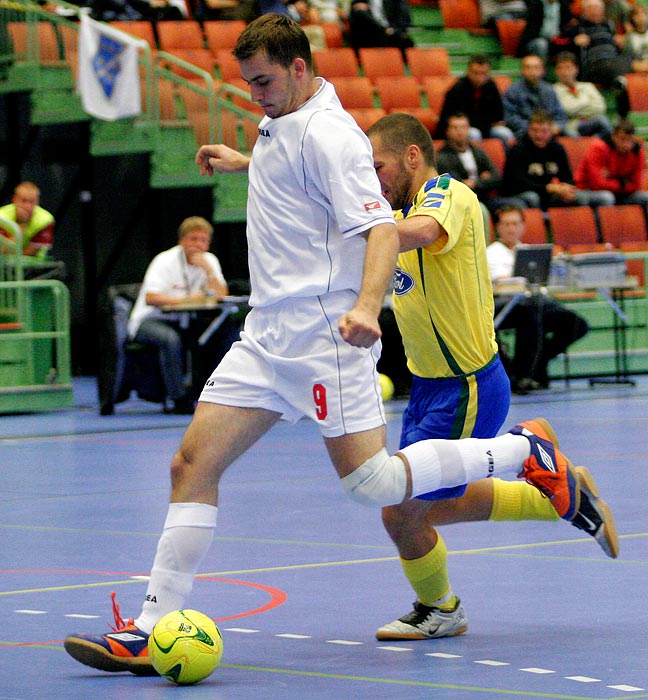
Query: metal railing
x=174, y=92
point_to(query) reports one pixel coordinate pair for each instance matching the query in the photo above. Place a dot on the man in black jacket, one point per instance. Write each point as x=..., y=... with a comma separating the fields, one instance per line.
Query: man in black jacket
x=476, y=95
x=467, y=162
x=546, y=20
x=537, y=171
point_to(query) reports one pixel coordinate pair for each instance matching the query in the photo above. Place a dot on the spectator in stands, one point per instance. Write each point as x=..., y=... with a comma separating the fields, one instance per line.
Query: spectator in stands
x=584, y=105
x=36, y=223
x=543, y=327
x=636, y=40
x=332, y=10
x=154, y=10
x=546, y=20
x=618, y=12
x=476, y=95
x=537, y=171
x=613, y=168
x=468, y=163
x=592, y=40
x=492, y=10
x=223, y=10
x=529, y=94
x=299, y=10
x=188, y=272
x=380, y=23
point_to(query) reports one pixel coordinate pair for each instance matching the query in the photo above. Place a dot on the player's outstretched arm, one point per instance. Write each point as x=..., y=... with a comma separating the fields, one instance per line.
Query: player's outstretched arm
x=221, y=159
x=359, y=326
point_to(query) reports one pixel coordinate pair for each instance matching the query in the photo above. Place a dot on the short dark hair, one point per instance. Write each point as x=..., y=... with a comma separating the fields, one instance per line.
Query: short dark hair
x=459, y=115
x=624, y=126
x=280, y=37
x=506, y=209
x=480, y=58
x=397, y=131
x=541, y=116
x=566, y=57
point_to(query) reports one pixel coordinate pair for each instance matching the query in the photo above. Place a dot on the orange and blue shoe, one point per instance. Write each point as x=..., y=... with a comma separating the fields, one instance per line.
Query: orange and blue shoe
x=123, y=649
x=548, y=469
x=594, y=515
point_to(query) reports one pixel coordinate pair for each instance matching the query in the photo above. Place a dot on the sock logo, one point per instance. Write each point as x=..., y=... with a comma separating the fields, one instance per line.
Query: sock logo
x=491, y=463
x=151, y=598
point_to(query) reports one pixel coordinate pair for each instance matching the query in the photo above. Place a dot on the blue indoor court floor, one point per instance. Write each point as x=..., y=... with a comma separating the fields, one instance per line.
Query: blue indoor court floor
x=299, y=577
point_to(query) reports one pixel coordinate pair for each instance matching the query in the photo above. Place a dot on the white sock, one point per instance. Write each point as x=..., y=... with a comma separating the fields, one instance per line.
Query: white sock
x=187, y=535
x=440, y=464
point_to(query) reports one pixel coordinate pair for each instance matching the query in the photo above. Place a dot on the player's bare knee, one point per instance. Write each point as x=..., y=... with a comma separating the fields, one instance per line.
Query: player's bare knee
x=180, y=465
x=380, y=481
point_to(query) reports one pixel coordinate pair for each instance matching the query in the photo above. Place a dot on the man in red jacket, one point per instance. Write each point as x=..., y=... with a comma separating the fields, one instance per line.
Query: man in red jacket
x=615, y=166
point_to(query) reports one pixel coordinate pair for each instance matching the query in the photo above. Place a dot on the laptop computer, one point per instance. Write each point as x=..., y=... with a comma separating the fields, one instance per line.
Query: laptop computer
x=533, y=262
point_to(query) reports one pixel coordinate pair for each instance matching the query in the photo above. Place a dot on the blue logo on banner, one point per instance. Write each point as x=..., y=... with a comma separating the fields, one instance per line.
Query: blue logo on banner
x=106, y=63
x=403, y=282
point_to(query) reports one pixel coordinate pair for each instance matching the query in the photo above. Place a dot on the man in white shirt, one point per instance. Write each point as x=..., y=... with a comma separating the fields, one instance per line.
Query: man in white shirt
x=322, y=243
x=543, y=327
x=584, y=105
x=188, y=272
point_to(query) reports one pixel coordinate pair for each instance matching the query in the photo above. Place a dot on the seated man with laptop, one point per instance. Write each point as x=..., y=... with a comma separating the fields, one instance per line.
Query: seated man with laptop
x=543, y=327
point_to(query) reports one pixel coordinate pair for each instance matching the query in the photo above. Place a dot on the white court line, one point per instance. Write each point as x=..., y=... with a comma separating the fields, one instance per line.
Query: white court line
x=31, y=612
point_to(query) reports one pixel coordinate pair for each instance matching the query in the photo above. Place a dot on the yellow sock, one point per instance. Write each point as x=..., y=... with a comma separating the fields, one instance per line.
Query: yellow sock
x=428, y=576
x=517, y=500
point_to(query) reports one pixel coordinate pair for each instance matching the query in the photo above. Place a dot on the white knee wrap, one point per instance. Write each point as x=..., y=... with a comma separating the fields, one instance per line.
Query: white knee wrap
x=380, y=481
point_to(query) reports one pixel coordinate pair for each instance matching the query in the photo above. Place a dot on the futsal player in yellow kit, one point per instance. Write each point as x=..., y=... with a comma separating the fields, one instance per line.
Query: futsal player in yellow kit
x=443, y=304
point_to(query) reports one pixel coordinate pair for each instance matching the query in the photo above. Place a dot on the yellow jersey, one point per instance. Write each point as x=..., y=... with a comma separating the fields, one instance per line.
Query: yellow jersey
x=443, y=299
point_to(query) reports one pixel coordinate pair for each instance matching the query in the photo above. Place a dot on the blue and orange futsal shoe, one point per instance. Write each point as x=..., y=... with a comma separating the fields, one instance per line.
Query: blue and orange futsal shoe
x=123, y=649
x=572, y=490
x=548, y=469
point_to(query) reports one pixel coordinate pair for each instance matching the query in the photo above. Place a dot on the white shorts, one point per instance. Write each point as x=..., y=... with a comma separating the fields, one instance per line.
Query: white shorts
x=292, y=360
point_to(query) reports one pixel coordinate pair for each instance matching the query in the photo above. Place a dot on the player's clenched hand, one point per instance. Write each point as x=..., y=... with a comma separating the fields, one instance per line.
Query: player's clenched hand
x=359, y=329
x=221, y=159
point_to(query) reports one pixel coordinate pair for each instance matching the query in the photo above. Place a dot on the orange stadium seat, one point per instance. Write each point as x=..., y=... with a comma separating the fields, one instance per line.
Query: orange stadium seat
x=222, y=34
x=381, y=62
x=366, y=117
x=637, y=87
x=503, y=82
x=622, y=223
x=404, y=91
x=460, y=14
x=435, y=88
x=509, y=32
x=142, y=29
x=228, y=66
x=355, y=91
x=424, y=62
x=180, y=34
x=569, y=225
x=576, y=148
x=201, y=58
x=535, y=226
x=334, y=63
x=494, y=149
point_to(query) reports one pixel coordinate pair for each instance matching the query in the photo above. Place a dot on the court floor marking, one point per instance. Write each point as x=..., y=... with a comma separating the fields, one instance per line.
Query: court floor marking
x=397, y=649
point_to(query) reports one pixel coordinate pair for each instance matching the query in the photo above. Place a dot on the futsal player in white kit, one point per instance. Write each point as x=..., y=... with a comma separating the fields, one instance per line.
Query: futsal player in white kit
x=322, y=249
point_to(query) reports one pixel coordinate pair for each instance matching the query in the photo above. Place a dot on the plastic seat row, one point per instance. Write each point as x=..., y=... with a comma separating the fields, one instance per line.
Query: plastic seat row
x=582, y=229
x=382, y=62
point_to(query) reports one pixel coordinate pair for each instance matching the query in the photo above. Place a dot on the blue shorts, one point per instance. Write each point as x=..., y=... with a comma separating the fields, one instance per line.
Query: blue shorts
x=474, y=405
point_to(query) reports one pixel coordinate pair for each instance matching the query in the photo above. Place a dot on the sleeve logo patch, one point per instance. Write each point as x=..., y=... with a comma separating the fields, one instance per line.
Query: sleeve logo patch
x=403, y=282
x=372, y=205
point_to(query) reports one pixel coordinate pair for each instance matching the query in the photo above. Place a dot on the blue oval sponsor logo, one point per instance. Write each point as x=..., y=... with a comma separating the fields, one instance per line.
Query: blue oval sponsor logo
x=403, y=282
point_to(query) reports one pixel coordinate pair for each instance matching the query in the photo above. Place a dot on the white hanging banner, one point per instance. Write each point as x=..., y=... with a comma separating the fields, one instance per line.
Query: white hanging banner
x=108, y=79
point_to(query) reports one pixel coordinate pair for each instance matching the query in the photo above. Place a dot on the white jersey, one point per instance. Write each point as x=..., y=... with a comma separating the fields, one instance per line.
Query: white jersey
x=313, y=189
x=501, y=260
x=170, y=273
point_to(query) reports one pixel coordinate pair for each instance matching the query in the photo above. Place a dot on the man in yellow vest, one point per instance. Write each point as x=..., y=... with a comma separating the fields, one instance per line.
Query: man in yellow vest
x=36, y=223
